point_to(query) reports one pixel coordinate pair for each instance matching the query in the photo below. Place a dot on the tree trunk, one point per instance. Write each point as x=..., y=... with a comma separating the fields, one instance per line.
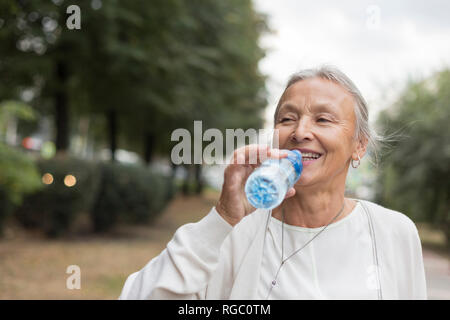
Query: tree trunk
x=149, y=147
x=112, y=123
x=198, y=179
x=61, y=109
x=187, y=179
x=171, y=185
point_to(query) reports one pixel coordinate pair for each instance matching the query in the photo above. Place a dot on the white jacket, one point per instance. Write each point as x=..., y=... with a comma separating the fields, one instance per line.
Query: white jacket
x=210, y=259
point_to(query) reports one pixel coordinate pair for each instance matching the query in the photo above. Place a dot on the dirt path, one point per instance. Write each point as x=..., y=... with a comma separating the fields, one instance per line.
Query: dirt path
x=33, y=268
x=437, y=270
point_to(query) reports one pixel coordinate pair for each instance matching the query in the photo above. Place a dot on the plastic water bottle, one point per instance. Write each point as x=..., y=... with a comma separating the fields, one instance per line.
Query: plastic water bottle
x=267, y=186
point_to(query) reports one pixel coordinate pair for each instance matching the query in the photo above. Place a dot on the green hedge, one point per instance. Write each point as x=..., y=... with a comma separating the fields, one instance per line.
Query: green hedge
x=18, y=177
x=110, y=194
x=6, y=207
x=54, y=208
x=128, y=195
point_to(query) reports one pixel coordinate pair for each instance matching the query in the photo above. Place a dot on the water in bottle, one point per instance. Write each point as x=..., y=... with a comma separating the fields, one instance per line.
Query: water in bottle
x=267, y=186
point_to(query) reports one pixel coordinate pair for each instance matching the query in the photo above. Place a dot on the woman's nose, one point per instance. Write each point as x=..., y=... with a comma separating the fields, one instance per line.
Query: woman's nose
x=303, y=130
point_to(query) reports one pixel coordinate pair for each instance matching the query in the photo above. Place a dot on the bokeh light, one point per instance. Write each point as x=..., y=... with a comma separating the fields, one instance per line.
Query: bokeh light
x=70, y=180
x=47, y=178
x=48, y=150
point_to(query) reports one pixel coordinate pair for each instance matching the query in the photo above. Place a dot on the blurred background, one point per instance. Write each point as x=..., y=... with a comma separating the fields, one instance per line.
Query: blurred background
x=90, y=94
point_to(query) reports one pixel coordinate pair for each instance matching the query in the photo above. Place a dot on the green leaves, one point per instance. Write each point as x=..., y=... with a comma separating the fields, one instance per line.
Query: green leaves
x=158, y=64
x=18, y=174
x=18, y=109
x=416, y=176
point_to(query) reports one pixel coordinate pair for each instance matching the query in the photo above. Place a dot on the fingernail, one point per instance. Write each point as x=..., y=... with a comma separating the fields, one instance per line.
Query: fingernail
x=280, y=153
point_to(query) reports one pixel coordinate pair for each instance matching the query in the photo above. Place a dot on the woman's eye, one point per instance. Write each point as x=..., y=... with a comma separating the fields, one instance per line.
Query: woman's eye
x=285, y=119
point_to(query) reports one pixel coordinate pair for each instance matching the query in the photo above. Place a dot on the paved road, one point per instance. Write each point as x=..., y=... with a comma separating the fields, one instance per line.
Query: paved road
x=437, y=270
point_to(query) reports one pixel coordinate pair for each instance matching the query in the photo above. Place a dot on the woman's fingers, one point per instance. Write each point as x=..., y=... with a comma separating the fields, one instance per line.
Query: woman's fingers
x=252, y=154
x=290, y=193
x=277, y=153
x=256, y=154
x=233, y=205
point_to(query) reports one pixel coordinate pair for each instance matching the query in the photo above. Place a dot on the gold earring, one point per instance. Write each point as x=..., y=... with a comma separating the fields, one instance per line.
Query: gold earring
x=358, y=163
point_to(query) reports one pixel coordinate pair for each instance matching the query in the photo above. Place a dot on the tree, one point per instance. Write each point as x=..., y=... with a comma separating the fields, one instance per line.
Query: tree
x=146, y=67
x=416, y=175
x=18, y=173
x=222, y=85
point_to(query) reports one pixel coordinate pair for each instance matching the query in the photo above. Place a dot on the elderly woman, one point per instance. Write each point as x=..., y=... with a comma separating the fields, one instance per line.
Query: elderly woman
x=317, y=244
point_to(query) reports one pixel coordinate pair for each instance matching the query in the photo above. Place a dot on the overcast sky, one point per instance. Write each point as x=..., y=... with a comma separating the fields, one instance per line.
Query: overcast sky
x=378, y=44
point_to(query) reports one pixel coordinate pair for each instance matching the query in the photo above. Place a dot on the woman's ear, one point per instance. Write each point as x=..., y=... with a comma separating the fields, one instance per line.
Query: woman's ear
x=361, y=148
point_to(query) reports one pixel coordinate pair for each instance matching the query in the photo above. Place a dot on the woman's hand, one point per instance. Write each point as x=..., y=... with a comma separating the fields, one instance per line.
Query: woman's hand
x=233, y=204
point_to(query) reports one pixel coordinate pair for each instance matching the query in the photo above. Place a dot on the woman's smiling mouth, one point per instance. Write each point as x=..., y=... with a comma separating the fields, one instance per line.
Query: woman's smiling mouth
x=309, y=156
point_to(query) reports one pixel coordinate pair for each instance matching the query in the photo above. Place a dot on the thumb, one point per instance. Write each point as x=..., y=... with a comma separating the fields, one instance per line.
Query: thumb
x=290, y=193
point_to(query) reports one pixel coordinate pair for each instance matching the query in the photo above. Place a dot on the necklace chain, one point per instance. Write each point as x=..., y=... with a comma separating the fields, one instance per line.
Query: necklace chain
x=274, y=281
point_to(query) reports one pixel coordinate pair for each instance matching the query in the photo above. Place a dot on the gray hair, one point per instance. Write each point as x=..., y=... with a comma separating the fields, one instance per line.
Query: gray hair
x=363, y=130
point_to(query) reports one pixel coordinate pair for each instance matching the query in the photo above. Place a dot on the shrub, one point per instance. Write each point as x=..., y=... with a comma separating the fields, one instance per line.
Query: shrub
x=6, y=207
x=18, y=176
x=109, y=193
x=53, y=209
x=129, y=195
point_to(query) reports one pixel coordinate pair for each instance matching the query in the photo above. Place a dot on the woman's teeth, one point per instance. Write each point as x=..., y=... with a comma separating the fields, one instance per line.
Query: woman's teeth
x=310, y=156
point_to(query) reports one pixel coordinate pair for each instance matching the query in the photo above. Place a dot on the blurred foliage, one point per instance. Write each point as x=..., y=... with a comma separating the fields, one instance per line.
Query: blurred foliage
x=54, y=208
x=16, y=109
x=129, y=195
x=136, y=70
x=147, y=67
x=416, y=175
x=18, y=177
x=108, y=193
x=18, y=173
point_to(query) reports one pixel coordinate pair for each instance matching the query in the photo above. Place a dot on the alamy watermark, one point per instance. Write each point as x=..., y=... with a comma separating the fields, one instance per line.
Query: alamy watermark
x=373, y=19
x=189, y=149
x=74, y=280
x=373, y=281
x=74, y=19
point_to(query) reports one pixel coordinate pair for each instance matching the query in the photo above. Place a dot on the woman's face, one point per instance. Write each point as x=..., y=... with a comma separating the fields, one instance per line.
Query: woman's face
x=318, y=115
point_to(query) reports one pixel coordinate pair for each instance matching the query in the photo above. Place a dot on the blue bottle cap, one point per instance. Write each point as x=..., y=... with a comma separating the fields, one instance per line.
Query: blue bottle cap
x=295, y=157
